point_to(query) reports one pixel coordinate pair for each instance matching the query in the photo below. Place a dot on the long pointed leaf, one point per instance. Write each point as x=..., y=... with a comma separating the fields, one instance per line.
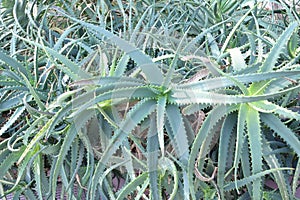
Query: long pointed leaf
x=254, y=135
x=249, y=179
x=178, y=134
x=12, y=63
x=269, y=63
x=151, y=70
x=152, y=159
x=72, y=132
x=211, y=120
x=138, y=113
x=161, y=109
x=273, y=163
x=225, y=136
x=284, y=132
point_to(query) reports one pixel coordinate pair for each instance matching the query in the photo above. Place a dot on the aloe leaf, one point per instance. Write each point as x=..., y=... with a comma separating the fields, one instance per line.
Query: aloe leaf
x=233, y=31
x=178, y=133
x=241, y=125
x=284, y=82
x=121, y=67
x=12, y=88
x=213, y=45
x=211, y=120
x=161, y=109
x=211, y=66
x=269, y=63
x=132, y=186
x=90, y=162
x=12, y=119
x=64, y=36
x=246, y=164
x=11, y=103
x=109, y=170
x=100, y=81
x=268, y=107
x=222, y=82
x=61, y=98
x=131, y=92
x=68, y=67
x=35, y=139
x=33, y=93
x=9, y=161
x=225, y=136
x=171, y=69
x=18, y=67
x=186, y=185
x=191, y=109
x=273, y=163
x=279, y=128
x=203, y=33
x=264, y=106
x=184, y=97
x=248, y=180
x=38, y=170
x=218, y=72
x=151, y=70
x=23, y=166
x=238, y=62
x=12, y=75
x=166, y=164
x=152, y=159
x=292, y=45
x=129, y=164
x=106, y=130
x=296, y=178
x=259, y=42
x=71, y=133
x=207, y=147
x=106, y=91
x=29, y=193
x=65, y=182
x=141, y=191
x=140, y=24
x=255, y=142
x=4, y=152
x=76, y=160
x=138, y=113
x=91, y=93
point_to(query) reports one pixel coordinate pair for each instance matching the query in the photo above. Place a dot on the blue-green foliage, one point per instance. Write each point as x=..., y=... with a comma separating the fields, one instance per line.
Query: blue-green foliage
x=149, y=100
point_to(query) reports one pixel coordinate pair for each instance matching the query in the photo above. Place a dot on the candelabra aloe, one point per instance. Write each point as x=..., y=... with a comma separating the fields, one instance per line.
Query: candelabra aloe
x=138, y=119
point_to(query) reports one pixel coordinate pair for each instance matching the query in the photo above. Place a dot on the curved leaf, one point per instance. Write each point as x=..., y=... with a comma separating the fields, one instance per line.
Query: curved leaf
x=225, y=136
x=279, y=128
x=18, y=67
x=12, y=119
x=249, y=179
x=151, y=70
x=269, y=63
x=132, y=186
x=137, y=114
x=274, y=163
x=211, y=120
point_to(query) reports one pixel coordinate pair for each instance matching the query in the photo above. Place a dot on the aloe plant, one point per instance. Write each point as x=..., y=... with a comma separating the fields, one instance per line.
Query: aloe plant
x=129, y=100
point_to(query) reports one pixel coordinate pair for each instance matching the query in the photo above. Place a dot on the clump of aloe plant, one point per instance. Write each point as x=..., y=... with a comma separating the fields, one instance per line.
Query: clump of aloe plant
x=149, y=100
